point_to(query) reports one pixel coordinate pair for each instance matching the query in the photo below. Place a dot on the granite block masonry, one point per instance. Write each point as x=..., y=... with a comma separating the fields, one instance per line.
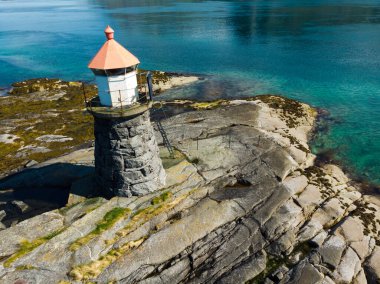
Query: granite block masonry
x=127, y=161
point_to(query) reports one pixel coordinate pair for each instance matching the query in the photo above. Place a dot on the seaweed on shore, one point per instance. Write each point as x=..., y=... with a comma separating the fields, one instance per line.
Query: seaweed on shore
x=292, y=110
x=41, y=107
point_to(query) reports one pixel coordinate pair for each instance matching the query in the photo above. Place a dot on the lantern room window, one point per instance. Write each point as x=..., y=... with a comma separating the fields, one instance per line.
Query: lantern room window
x=120, y=71
x=99, y=72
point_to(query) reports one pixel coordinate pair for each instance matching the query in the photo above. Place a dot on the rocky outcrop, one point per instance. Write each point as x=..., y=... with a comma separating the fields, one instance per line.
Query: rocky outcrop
x=45, y=118
x=127, y=158
x=243, y=202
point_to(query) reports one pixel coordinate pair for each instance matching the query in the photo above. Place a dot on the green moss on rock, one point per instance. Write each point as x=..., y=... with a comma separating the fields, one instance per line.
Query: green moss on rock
x=169, y=161
x=109, y=219
x=33, y=110
x=161, y=198
x=208, y=104
x=28, y=246
x=25, y=267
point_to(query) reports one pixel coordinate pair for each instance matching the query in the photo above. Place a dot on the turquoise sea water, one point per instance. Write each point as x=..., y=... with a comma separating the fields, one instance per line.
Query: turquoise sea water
x=326, y=53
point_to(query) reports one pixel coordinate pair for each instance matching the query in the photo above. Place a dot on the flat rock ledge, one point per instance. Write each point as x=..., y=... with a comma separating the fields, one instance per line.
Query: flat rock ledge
x=243, y=203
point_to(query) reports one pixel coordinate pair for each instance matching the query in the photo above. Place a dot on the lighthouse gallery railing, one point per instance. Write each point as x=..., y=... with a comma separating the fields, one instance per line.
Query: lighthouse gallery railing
x=145, y=96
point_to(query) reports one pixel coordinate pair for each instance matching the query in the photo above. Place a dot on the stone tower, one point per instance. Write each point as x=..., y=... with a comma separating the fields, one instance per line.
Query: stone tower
x=127, y=160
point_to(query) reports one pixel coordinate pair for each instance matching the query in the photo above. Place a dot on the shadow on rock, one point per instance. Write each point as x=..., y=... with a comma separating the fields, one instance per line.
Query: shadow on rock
x=39, y=189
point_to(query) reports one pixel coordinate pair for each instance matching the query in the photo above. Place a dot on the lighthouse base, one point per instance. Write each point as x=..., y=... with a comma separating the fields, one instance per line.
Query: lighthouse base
x=127, y=160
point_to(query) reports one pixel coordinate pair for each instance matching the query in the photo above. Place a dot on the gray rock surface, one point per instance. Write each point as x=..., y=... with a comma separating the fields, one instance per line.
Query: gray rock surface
x=373, y=266
x=54, y=138
x=20, y=206
x=237, y=207
x=8, y=138
x=2, y=214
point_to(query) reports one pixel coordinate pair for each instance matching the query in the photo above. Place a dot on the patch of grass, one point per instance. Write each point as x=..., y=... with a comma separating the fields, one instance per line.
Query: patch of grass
x=91, y=204
x=93, y=269
x=26, y=246
x=208, y=104
x=145, y=214
x=162, y=198
x=168, y=161
x=109, y=219
x=8, y=160
x=141, y=216
x=25, y=267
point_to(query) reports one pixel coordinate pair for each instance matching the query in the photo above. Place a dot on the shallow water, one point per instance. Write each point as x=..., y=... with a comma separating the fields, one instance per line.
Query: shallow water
x=326, y=53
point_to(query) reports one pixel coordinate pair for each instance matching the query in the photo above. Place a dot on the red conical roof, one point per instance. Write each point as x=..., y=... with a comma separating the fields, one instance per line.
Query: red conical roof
x=112, y=55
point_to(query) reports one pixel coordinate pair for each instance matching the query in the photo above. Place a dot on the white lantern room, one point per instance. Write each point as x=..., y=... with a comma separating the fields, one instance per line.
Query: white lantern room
x=115, y=70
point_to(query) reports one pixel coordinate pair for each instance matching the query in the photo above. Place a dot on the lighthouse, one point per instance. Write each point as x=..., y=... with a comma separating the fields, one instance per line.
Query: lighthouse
x=127, y=160
x=115, y=70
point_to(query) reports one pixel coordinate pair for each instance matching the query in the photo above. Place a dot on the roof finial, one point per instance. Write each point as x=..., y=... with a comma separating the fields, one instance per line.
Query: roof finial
x=109, y=32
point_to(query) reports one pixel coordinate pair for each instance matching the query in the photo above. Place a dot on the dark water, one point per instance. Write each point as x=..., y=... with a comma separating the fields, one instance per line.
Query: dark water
x=326, y=53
